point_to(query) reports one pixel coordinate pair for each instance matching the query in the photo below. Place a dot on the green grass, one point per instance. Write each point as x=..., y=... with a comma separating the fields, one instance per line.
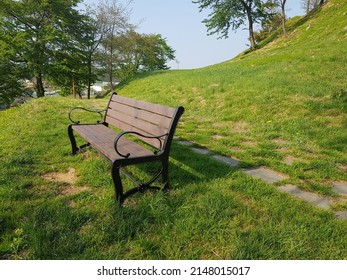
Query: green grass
x=287, y=99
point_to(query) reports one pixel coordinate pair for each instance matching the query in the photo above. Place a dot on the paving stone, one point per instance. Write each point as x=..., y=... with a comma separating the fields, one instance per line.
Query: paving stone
x=185, y=143
x=312, y=198
x=201, y=151
x=340, y=188
x=228, y=160
x=267, y=175
x=342, y=215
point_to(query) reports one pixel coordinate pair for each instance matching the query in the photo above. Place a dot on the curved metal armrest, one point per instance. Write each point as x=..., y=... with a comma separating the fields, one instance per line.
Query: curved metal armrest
x=88, y=110
x=139, y=134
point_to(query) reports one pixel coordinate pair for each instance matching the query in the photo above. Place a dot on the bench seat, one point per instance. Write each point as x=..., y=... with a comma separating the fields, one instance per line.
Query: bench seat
x=102, y=139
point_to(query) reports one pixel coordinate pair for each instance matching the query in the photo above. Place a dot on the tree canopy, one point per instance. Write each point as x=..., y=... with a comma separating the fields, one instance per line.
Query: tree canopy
x=56, y=41
x=140, y=52
x=39, y=31
x=229, y=15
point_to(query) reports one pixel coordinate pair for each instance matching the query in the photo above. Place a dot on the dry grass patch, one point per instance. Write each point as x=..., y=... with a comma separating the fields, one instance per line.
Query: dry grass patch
x=342, y=167
x=249, y=143
x=280, y=141
x=240, y=127
x=290, y=160
x=69, y=178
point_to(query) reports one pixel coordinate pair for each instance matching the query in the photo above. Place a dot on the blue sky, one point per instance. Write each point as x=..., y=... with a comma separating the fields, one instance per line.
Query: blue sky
x=179, y=21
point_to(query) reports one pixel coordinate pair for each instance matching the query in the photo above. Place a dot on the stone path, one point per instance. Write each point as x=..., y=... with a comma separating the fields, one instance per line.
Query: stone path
x=270, y=176
x=228, y=160
x=265, y=174
x=310, y=197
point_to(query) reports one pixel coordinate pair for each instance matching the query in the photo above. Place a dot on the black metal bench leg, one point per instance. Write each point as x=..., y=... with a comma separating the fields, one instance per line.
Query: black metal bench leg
x=72, y=140
x=119, y=197
x=165, y=174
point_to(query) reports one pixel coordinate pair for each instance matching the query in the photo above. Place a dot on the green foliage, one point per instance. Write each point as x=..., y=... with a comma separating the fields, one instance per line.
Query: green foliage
x=12, y=75
x=154, y=53
x=232, y=14
x=44, y=35
x=272, y=22
x=139, y=53
x=54, y=42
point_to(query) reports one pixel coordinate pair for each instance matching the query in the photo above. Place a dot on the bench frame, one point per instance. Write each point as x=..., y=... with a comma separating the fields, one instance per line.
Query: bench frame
x=120, y=159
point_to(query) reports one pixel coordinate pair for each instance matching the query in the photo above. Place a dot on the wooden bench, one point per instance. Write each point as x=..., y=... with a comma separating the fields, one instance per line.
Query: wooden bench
x=154, y=125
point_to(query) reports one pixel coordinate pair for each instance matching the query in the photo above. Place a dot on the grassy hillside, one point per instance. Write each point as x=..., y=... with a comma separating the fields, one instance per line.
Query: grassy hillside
x=285, y=101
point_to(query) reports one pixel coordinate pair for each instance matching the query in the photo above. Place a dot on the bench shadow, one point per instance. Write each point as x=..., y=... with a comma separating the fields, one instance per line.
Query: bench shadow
x=187, y=167
x=191, y=175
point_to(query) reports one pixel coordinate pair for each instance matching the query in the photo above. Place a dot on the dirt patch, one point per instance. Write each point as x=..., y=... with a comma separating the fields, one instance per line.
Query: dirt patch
x=240, y=127
x=69, y=177
x=311, y=155
x=194, y=90
x=236, y=149
x=342, y=167
x=213, y=85
x=290, y=160
x=279, y=141
x=72, y=190
x=217, y=137
x=283, y=150
x=249, y=143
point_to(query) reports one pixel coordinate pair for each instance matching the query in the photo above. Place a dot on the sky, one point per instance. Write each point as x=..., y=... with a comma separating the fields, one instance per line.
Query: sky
x=180, y=23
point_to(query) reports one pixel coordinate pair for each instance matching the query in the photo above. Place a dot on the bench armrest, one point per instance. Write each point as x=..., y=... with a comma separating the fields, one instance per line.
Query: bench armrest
x=139, y=134
x=87, y=110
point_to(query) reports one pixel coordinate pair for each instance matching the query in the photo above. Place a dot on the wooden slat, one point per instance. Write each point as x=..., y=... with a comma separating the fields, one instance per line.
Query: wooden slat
x=139, y=113
x=143, y=125
x=128, y=127
x=143, y=117
x=156, y=108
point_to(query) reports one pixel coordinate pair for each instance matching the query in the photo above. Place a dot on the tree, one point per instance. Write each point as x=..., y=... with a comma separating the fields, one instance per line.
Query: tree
x=268, y=28
x=38, y=31
x=312, y=4
x=136, y=52
x=154, y=53
x=232, y=14
x=79, y=61
x=276, y=18
x=282, y=4
x=12, y=75
x=114, y=21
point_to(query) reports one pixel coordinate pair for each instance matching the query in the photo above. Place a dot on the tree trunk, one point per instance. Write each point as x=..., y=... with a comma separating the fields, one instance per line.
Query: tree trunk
x=248, y=9
x=111, y=67
x=250, y=28
x=89, y=76
x=88, y=90
x=40, y=90
x=308, y=2
x=283, y=7
x=73, y=87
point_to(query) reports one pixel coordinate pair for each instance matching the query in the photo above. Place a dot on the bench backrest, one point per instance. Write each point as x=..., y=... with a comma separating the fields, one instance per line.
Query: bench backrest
x=143, y=117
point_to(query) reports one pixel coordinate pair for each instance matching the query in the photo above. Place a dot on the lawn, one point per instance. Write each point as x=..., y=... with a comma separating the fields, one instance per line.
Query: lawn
x=283, y=103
